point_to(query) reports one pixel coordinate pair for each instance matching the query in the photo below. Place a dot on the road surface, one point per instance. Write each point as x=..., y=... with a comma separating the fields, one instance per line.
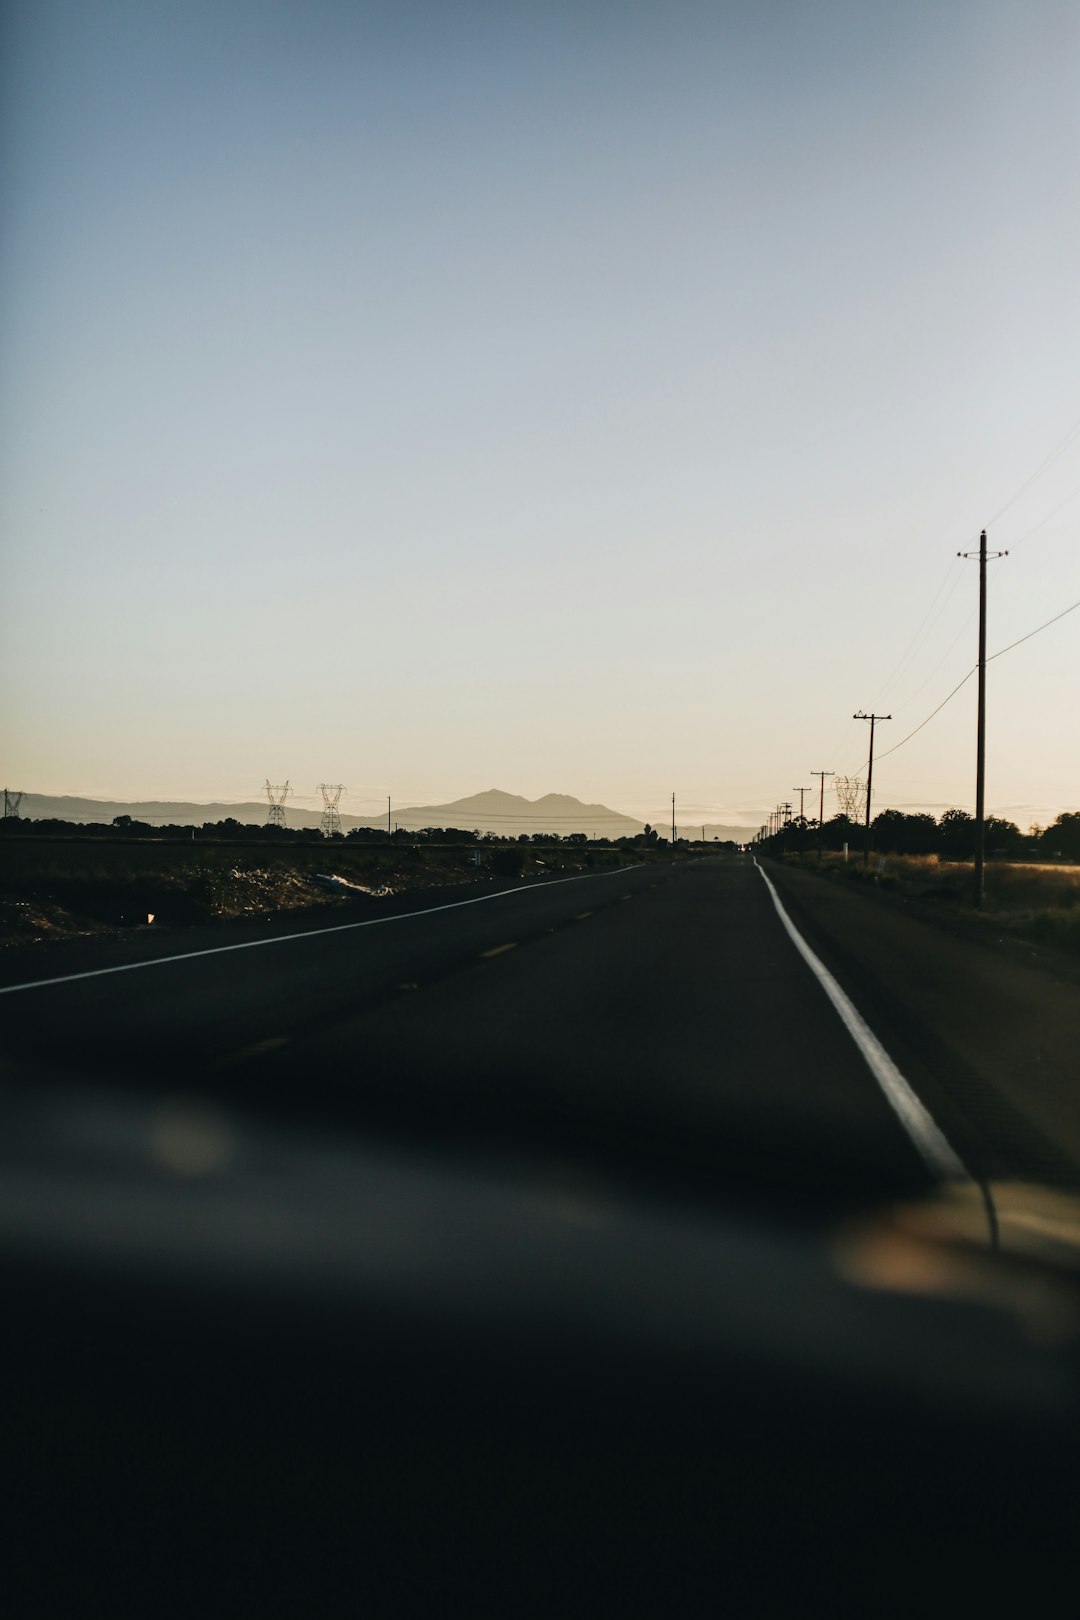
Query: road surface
x=672, y=1018
x=585, y=1293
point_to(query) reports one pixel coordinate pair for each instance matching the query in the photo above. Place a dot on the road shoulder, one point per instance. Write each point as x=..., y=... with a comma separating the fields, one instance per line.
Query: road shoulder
x=990, y=1042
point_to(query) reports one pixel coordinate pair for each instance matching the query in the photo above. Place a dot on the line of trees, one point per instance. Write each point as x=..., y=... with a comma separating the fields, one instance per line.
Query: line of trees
x=129, y=827
x=951, y=836
x=230, y=828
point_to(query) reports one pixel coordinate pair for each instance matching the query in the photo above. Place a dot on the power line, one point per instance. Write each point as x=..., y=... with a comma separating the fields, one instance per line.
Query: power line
x=1035, y=632
x=1043, y=466
x=923, y=632
x=999, y=654
x=926, y=625
x=567, y=818
x=946, y=655
x=912, y=648
x=929, y=717
x=523, y=815
x=928, y=678
x=1043, y=521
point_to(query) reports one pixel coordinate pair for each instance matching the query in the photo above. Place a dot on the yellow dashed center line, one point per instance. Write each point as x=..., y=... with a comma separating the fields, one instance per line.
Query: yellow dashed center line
x=581, y=916
x=498, y=950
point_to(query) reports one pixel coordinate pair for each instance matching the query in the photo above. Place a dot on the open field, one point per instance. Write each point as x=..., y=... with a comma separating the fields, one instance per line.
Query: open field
x=67, y=887
x=1034, y=901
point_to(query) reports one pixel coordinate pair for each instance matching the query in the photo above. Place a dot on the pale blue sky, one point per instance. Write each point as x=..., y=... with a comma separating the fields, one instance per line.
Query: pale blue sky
x=584, y=398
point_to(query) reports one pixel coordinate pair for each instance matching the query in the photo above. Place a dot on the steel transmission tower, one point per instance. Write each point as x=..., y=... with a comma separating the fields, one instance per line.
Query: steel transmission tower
x=331, y=821
x=277, y=797
x=851, y=795
x=12, y=802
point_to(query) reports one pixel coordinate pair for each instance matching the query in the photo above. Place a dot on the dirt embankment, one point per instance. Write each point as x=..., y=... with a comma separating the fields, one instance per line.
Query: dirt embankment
x=77, y=908
x=72, y=889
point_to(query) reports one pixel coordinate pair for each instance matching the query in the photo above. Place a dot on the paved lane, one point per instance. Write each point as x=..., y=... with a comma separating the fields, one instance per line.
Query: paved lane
x=188, y=1002
x=302, y=1344
x=678, y=1025
x=657, y=1015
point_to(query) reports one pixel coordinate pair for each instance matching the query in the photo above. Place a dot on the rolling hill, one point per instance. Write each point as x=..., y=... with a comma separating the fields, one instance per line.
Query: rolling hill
x=494, y=811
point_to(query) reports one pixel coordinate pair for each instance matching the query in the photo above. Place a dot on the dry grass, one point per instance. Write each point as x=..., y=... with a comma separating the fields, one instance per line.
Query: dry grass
x=1038, y=902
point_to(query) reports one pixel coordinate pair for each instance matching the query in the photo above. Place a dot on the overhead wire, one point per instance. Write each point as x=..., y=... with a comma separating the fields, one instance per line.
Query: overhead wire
x=1043, y=466
x=916, y=644
x=918, y=641
x=410, y=806
x=928, y=678
x=926, y=625
x=1043, y=521
x=886, y=751
x=925, y=682
x=999, y=654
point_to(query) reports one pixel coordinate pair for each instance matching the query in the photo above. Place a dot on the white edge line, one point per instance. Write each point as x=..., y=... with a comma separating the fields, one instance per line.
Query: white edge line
x=923, y=1130
x=308, y=933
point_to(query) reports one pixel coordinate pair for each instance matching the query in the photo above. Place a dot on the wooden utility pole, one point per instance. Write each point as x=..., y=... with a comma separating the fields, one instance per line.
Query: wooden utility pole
x=873, y=719
x=821, y=810
x=984, y=556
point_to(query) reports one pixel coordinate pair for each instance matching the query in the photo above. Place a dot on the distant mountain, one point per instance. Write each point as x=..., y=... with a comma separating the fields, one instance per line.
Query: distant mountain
x=494, y=811
x=511, y=815
x=159, y=812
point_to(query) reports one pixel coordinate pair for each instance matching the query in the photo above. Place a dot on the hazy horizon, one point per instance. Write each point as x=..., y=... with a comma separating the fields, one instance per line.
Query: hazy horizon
x=587, y=399
x=688, y=815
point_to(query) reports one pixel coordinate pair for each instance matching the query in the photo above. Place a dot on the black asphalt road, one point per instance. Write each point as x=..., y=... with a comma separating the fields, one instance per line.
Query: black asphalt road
x=655, y=1015
x=626, y=1353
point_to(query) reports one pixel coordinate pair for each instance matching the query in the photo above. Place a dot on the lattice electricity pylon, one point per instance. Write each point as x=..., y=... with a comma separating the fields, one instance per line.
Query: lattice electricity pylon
x=12, y=802
x=331, y=821
x=851, y=797
x=277, y=797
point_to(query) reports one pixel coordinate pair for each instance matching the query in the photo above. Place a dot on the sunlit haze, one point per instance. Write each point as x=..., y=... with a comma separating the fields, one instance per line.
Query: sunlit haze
x=580, y=398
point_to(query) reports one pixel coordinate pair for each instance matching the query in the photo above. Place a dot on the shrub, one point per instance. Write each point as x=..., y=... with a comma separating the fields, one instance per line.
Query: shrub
x=507, y=862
